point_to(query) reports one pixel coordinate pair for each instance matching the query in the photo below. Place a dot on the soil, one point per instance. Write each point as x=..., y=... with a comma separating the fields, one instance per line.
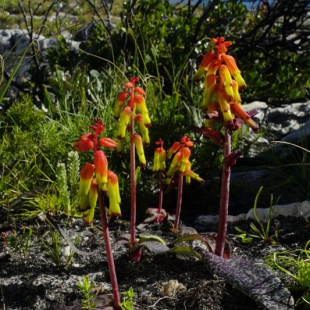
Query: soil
x=33, y=280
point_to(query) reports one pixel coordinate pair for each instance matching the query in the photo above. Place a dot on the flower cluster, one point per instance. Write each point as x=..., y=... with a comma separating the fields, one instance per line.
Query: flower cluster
x=96, y=177
x=128, y=102
x=180, y=161
x=221, y=98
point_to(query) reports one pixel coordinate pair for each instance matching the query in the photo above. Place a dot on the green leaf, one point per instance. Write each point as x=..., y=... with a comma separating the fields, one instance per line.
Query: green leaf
x=147, y=238
x=185, y=250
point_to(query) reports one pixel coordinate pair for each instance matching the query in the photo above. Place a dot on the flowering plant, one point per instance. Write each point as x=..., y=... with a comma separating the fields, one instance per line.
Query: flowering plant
x=91, y=188
x=128, y=102
x=222, y=104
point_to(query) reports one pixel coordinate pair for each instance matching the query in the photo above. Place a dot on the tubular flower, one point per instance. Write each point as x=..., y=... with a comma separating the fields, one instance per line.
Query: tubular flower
x=227, y=80
x=187, y=178
x=140, y=90
x=240, y=113
x=175, y=146
x=140, y=150
x=107, y=142
x=210, y=82
x=141, y=106
x=123, y=122
x=186, y=153
x=205, y=63
x=192, y=175
x=83, y=145
x=224, y=105
x=121, y=98
x=101, y=167
x=86, y=176
x=221, y=44
x=159, y=163
x=235, y=88
x=234, y=70
x=144, y=129
x=174, y=166
x=114, y=196
x=88, y=215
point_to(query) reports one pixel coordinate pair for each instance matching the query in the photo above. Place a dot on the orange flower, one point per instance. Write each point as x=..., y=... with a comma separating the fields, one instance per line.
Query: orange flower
x=210, y=82
x=101, y=167
x=240, y=113
x=186, y=153
x=107, y=142
x=175, y=146
x=205, y=63
x=83, y=145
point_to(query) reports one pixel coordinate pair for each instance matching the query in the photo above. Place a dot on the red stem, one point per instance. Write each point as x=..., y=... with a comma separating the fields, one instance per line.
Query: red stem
x=133, y=183
x=106, y=237
x=223, y=214
x=179, y=201
x=160, y=199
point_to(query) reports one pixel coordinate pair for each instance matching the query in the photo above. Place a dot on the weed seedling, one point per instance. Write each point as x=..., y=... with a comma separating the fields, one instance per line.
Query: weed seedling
x=85, y=287
x=127, y=303
x=261, y=232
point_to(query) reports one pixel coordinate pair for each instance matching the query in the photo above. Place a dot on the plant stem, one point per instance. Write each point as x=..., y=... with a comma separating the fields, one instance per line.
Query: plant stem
x=160, y=199
x=106, y=237
x=179, y=201
x=133, y=183
x=223, y=214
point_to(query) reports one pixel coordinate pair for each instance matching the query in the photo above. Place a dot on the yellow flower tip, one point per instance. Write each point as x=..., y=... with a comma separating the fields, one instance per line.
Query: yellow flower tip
x=93, y=193
x=137, y=140
x=189, y=173
x=101, y=167
x=226, y=79
x=239, y=79
x=236, y=92
x=120, y=146
x=107, y=142
x=88, y=216
x=114, y=196
x=86, y=176
x=83, y=204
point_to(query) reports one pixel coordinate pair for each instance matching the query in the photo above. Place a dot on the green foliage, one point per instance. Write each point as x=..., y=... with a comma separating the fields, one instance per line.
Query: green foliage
x=85, y=286
x=260, y=231
x=296, y=265
x=127, y=303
